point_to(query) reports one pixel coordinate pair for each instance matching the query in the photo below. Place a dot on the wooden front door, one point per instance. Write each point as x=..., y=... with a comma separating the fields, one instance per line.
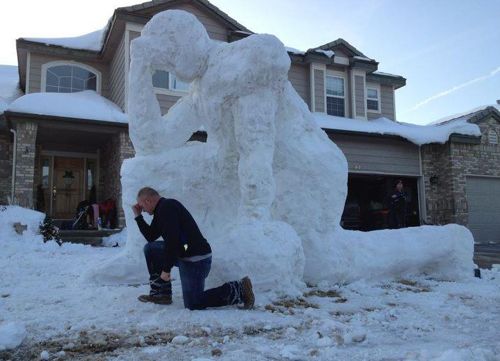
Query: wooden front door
x=67, y=189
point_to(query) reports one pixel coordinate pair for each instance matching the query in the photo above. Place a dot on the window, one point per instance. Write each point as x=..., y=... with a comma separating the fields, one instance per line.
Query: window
x=373, y=99
x=69, y=78
x=492, y=137
x=335, y=96
x=165, y=80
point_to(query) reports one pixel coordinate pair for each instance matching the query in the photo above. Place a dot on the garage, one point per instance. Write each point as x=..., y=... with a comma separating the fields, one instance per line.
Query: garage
x=483, y=200
x=375, y=164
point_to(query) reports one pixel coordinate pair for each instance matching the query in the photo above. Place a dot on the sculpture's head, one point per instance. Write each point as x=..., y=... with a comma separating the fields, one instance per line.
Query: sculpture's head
x=175, y=41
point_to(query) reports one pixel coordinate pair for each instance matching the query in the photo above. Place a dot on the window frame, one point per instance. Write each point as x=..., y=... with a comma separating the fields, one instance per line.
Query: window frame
x=170, y=90
x=338, y=75
x=376, y=87
x=47, y=66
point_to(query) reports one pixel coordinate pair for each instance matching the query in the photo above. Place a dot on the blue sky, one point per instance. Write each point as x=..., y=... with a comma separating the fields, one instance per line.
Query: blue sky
x=448, y=50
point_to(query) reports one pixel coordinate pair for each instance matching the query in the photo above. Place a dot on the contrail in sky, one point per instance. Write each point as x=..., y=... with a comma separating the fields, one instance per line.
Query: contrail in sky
x=454, y=89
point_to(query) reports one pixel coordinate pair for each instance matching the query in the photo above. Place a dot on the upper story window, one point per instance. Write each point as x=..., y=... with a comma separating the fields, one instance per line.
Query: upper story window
x=492, y=137
x=69, y=77
x=335, y=95
x=168, y=81
x=373, y=98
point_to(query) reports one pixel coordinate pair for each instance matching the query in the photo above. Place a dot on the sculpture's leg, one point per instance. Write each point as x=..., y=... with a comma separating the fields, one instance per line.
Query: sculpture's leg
x=254, y=117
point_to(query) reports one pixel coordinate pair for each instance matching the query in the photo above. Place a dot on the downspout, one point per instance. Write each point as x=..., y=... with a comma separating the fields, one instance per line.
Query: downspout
x=13, y=186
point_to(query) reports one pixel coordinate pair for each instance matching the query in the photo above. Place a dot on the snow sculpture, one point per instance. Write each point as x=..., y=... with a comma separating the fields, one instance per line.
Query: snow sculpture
x=268, y=188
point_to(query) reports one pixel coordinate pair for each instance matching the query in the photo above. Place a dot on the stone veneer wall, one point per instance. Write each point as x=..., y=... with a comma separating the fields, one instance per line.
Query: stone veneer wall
x=111, y=158
x=439, y=195
x=6, y=146
x=25, y=162
x=446, y=201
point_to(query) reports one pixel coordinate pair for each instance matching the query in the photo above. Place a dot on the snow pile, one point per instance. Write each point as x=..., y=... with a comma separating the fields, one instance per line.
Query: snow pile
x=117, y=239
x=81, y=105
x=417, y=134
x=12, y=334
x=268, y=188
x=9, y=86
x=464, y=116
x=9, y=215
x=92, y=41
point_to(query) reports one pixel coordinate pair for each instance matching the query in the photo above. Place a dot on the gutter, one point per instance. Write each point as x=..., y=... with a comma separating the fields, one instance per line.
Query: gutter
x=13, y=186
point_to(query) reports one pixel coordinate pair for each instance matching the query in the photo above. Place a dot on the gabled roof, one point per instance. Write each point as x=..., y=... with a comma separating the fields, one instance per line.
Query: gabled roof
x=341, y=43
x=143, y=8
x=475, y=115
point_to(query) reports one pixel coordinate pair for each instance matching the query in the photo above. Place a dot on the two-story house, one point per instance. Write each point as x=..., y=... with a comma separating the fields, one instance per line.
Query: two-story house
x=65, y=139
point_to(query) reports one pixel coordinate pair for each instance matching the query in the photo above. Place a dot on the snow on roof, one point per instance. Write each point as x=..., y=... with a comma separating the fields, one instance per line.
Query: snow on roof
x=294, y=51
x=82, y=105
x=464, y=115
x=417, y=134
x=92, y=41
x=385, y=74
x=328, y=53
x=9, y=86
x=362, y=58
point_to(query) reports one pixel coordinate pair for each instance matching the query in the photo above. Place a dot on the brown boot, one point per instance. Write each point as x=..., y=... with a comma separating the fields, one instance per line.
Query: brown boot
x=247, y=295
x=158, y=299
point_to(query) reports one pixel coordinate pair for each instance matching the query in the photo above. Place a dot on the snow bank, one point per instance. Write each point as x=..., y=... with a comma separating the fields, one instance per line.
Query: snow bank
x=12, y=334
x=92, y=41
x=119, y=239
x=81, y=105
x=14, y=214
x=268, y=188
x=9, y=86
x=417, y=134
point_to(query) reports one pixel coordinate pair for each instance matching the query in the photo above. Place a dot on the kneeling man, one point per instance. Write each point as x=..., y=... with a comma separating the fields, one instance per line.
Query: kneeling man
x=184, y=246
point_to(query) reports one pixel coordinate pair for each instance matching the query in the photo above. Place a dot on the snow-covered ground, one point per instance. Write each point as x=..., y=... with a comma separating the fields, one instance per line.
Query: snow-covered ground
x=46, y=303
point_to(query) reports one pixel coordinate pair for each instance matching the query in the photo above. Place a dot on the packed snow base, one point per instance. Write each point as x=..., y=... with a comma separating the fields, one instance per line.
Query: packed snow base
x=268, y=188
x=47, y=307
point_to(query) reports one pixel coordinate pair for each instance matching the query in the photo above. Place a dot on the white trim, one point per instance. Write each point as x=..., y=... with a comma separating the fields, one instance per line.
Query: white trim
x=28, y=72
x=422, y=204
x=55, y=153
x=482, y=176
x=393, y=102
x=126, y=64
x=311, y=87
x=373, y=86
x=312, y=68
x=362, y=74
x=341, y=75
x=50, y=64
x=383, y=173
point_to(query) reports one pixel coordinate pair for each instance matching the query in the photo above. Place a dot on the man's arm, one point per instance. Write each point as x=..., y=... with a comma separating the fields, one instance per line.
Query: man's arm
x=149, y=232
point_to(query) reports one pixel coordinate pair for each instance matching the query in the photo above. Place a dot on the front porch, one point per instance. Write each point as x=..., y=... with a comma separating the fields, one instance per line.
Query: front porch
x=61, y=162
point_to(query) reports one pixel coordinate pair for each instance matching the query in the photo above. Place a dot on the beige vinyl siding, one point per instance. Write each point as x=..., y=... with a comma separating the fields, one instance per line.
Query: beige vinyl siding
x=38, y=60
x=214, y=28
x=319, y=90
x=166, y=101
x=299, y=77
x=359, y=95
x=387, y=102
x=117, y=75
x=368, y=154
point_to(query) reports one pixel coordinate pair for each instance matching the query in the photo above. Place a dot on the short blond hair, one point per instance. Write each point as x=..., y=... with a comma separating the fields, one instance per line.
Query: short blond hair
x=147, y=191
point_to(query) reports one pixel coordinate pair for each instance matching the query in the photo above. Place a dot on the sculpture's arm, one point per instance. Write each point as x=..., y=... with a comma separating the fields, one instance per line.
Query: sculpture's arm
x=149, y=131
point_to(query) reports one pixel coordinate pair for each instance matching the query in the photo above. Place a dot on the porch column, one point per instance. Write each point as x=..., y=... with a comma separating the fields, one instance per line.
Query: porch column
x=26, y=132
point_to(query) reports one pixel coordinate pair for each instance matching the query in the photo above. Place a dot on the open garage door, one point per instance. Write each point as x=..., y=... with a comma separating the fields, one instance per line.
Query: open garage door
x=367, y=204
x=483, y=199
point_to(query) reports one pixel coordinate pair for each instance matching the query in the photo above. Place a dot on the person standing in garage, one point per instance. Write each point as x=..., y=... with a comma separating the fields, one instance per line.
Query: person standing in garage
x=397, y=207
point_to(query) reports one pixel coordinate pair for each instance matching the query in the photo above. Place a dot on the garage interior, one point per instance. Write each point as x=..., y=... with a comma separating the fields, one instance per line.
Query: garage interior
x=367, y=203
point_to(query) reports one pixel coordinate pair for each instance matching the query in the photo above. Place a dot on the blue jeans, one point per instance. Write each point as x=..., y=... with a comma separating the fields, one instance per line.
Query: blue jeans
x=193, y=275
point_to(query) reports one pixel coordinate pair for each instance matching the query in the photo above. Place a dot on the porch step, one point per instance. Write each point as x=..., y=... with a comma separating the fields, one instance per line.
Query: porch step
x=90, y=237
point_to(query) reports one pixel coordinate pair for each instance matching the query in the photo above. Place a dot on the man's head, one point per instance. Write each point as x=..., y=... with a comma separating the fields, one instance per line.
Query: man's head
x=148, y=198
x=399, y=185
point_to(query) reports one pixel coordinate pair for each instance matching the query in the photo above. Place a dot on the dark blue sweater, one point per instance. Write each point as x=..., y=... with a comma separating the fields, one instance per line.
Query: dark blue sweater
x=173, y=222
